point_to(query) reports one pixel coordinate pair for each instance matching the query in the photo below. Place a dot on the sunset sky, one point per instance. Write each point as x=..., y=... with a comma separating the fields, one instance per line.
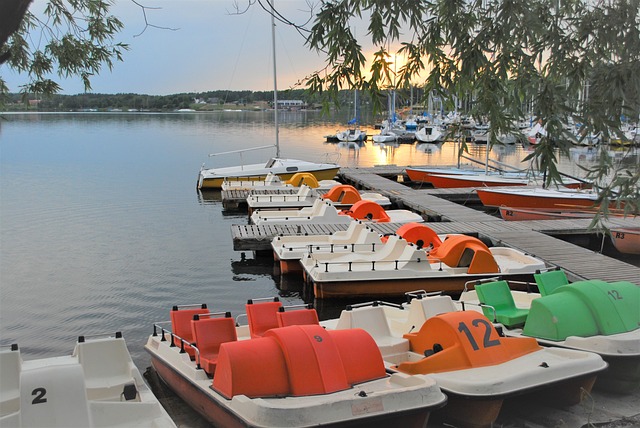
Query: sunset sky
x=211, y=49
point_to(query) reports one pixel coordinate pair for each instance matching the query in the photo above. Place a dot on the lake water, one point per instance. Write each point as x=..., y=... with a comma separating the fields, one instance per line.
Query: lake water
x=102, y=229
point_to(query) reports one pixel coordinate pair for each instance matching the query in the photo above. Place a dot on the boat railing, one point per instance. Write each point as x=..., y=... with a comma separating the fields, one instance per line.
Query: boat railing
x=374, y=303
x=371, y=262
x=332, y=247
x=529, y=285
x=240, y=152
x=420, y=294
x=174, y=337
x=480, y=281
x=117, y=335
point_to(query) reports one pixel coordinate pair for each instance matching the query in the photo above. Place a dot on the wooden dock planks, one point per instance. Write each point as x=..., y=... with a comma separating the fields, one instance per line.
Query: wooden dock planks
x=529, y=236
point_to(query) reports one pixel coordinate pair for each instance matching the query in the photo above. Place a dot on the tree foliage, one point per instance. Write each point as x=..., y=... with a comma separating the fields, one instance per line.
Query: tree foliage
x=74, y=38
x=560, y=60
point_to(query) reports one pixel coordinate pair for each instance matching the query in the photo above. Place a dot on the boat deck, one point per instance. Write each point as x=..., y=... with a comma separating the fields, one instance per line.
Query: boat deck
x=446, y=216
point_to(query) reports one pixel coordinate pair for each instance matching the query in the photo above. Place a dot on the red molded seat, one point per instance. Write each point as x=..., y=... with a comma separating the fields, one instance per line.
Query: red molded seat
x=304, y=316
x=209, y=333
x=181, y=324
x=262, y=316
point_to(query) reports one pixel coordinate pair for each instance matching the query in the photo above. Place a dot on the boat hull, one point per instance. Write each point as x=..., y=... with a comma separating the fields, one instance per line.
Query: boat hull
x=496, y=199
x=387, y=288
x=626, y=241
x=459, y=181
x=216, y=182
x=379, y=406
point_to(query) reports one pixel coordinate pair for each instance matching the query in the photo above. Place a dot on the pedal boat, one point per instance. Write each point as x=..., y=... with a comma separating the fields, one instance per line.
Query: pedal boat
x=359, y=237
x=475, y=366
x=283, y=371
x=400, y=266
x=304, y=197
x=324, y=212
x=273, y=182
x=98, y=385
x=342, y=196
x=593, y=316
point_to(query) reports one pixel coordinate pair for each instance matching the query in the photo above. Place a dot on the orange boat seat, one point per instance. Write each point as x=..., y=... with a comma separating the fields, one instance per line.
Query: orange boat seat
x=462, y=340
x=344, y=194
x=421, y=235
x=465, y=251
x=262, y=316
x=298, y=360
x=181, y=317
x=498, y=295
x=288, y=315
x=550, y=280
x=368, y=211
x=209, y=333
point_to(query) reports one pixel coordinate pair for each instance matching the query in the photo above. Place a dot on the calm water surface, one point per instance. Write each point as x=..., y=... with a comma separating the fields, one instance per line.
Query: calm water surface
x=102, y=229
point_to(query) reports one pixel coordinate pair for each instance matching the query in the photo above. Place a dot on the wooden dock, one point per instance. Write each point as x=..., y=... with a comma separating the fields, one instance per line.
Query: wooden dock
x=445, y=216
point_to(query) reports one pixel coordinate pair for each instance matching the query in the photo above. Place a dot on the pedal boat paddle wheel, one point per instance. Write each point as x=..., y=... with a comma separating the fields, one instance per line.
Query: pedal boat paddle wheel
x=284, y=370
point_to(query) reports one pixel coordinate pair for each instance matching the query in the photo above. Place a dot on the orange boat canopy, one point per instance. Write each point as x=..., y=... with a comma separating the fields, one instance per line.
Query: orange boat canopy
x=462, y=340
x=465, y=251
x=343, y=194
x=297, y=360
x=306, y=178
x=368, y=211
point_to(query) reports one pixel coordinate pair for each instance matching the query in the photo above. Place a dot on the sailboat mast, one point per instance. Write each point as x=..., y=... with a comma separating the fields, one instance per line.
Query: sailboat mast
x=275, y=80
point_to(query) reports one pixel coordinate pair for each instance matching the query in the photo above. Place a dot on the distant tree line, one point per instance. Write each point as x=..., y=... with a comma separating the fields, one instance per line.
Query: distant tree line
x=57, y=102
x=209, y=100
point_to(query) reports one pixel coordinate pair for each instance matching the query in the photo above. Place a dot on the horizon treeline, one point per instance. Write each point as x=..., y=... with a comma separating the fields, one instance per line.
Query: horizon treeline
x=194, y=100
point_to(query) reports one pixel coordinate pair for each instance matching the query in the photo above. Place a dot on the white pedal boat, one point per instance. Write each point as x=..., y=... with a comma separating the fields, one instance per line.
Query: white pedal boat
x=342, y=196
x=399, y=267
x=285, y=375
x=476, y=367
x=304, y=197
x=274, y=182
x=323, y=212
x=96, y=386
x=288, y=250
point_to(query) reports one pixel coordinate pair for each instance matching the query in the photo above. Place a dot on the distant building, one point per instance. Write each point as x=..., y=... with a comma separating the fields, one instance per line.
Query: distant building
x=291, y=104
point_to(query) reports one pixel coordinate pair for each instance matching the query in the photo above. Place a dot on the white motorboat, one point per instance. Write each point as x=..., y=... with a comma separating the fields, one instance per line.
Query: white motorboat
x=400, y=266
x=212, y=178
x=283, y=372
x=98, y=385
x=476, y=367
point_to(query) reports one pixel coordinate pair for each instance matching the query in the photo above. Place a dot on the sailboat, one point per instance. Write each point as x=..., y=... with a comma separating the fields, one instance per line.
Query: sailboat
x=212, y=178
x=353, y=133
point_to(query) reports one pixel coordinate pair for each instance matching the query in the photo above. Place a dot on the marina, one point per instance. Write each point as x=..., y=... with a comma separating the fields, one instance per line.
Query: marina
x=100, y=251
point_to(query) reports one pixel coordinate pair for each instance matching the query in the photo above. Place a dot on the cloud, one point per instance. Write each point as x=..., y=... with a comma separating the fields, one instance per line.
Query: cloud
x=210, y=49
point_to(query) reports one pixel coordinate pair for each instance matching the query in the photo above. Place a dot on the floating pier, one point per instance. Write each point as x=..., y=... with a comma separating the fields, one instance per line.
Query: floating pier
x=445, y=212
